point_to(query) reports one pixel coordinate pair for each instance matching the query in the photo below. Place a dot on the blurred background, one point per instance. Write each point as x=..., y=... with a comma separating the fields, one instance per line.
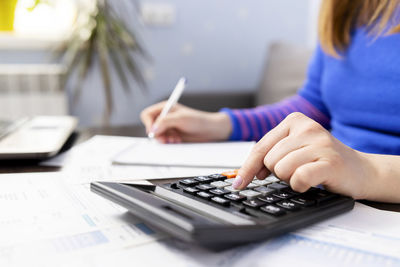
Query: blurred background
x=104, y=61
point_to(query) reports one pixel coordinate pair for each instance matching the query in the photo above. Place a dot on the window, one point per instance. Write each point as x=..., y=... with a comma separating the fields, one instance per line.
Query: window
x=49, y=20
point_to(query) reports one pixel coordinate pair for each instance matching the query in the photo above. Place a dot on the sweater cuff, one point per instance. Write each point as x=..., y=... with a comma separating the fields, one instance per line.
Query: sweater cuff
x=236, y=130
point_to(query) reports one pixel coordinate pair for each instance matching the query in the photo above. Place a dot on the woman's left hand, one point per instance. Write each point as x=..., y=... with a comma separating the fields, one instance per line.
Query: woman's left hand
x=302, y=153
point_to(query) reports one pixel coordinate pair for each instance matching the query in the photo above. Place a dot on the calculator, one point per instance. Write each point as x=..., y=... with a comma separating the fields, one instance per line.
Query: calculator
x=208, y=211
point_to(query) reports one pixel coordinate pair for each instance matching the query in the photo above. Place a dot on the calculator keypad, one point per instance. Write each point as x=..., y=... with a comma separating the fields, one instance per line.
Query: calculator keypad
x=269, y=196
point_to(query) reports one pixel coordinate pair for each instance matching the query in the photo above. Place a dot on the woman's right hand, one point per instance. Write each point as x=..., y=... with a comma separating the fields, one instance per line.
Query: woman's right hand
x=184, y=124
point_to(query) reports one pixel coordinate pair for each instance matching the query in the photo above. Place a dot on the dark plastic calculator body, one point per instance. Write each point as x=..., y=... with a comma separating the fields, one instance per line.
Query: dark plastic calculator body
x=208, y=211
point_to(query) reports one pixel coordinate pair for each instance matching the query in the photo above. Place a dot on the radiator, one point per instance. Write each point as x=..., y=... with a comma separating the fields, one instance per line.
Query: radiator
x=28, y=90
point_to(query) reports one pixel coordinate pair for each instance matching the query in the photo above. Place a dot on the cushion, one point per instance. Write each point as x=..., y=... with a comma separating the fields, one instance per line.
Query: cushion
x=284, y=72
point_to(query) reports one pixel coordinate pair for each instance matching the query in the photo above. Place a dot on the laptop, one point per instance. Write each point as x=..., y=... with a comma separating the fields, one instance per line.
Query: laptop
x=37, y=137
x=208, y=211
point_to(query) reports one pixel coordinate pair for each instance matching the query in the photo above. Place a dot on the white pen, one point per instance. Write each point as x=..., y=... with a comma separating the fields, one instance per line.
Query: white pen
x=172, y=100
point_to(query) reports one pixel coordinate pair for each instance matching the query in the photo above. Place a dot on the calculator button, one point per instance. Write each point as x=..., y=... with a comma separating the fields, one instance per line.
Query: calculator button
x=273, y=210
x=283, y=195
x=203, y=179
x=229, y=181
x=219, y=184
x=230, y=174
x=217, y=177
x=317, y=195
x=262, y=182
x=264, y=190
x=270, y=199
x=289, y=190
x=250, y=194
x=304, y=201
x=174, y=186
x=190, y=190
x=277, y=186
x=312, y=190
x=204, y=195
x=235, y=197
x=251, y=186
x=272, y=179
x=253, y=203
x=205, y=187
x=189, y=182
x=323, y=196
x=220, y=201
x=219, y=191
x=231, y=189
x=289, y=205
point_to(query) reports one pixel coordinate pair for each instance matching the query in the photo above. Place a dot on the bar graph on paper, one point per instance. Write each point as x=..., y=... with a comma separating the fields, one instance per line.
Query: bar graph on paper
x=295, y=250
x=327, y=253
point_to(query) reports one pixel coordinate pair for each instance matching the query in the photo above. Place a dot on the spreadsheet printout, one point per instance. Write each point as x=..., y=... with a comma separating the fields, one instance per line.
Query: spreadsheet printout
x=44, y=218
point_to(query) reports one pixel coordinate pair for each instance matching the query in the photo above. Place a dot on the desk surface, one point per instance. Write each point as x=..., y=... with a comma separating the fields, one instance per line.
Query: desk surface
x=135, y=130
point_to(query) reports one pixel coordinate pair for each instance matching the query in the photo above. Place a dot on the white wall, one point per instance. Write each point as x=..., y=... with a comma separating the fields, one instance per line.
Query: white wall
x=219, y=45
x=314, y=6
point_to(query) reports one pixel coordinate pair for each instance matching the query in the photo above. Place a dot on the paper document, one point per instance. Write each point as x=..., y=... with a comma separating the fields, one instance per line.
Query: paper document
x=48, y=222
x=52, y=219
x=98, y=150
x=363, y=237
x=218, y=155
x=44, y=220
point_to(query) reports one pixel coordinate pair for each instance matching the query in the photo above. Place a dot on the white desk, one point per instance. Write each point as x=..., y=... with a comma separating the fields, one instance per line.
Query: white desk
x=52, y=219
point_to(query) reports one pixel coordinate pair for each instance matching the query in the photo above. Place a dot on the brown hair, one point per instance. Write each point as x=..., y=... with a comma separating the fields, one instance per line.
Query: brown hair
x=338, y=18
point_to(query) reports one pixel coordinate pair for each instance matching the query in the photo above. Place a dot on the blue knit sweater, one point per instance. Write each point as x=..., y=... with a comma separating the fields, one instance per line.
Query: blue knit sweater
x=357, y=97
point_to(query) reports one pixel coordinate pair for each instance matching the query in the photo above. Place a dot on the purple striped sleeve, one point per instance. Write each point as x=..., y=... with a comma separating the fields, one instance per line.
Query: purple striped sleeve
x=254, y=123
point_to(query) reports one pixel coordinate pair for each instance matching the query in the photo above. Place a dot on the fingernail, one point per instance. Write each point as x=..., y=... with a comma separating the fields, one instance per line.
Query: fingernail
x=237, y=182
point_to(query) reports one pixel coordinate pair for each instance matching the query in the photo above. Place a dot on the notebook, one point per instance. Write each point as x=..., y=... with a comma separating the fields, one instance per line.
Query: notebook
x=212, y=155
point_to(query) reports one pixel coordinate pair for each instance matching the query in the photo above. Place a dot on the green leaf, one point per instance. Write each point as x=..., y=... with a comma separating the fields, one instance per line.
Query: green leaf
x=132, y=67
x=84, y=66
x=120, y=71
x=104, y=64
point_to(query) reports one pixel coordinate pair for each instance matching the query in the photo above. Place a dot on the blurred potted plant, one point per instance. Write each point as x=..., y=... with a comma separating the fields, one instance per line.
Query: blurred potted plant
x=7, y=10
x=99, y=35
x=104, y=36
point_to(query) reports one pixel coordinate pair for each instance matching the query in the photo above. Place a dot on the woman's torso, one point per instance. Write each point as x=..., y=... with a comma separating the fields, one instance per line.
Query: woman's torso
x=362, y=93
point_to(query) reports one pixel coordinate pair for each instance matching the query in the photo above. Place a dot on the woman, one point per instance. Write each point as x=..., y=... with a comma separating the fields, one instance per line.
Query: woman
x=342, y=129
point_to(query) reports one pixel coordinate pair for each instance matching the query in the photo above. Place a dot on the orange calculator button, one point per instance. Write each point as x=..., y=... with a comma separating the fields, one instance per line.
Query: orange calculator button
x=230, y=174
